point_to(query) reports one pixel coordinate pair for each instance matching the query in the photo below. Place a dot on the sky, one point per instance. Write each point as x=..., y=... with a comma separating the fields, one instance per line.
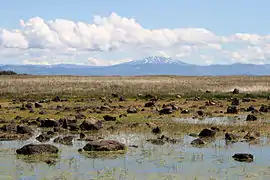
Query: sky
x=107, y=32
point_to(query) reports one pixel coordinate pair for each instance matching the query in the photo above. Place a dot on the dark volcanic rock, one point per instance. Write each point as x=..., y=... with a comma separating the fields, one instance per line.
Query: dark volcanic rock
x=56, y=99
x=232, y=110
x=37, y=149
x=251, y=108
x=251, y=117
x=264, y=108
x=231, y=137
x=235, y=102
x=91, y=124
x=109, y=118
x=43, y=138
x=67, y=140
x=243, y=157
x=149, y=104
x=207, y=133
x=37, y=105
x=166, y=110
x=198, y=142
x=48, y=123
x=252, y=136
x=104, y=145
x=236, y=91
x=24, y=130
x=156, y=130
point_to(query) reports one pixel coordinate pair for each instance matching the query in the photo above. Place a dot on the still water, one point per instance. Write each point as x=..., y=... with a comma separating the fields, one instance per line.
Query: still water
x=148, y=161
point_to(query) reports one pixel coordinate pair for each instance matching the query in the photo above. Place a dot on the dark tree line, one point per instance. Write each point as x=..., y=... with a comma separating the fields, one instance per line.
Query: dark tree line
x=7, y=73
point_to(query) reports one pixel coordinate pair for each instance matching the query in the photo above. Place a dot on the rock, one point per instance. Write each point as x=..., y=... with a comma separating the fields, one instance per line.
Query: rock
x=109, y=118
x=48, y=123
x=11, y=128
x=132, y=110
x=122, y=115
x=82, y=135
x=232, y=110
x=67, y=140
x=42, y=112
x=185, y=111
x=251, y=108
x=243, y=157
x=207, y=133
x=251, y=117
x=166, y=110
x=104, y=145
x=56, y=99
x=156, y=130
x=149, y=104
x=178, y=96
x=29, y=106
x=264, y=108
x=200, y=113
x=73, y=127
x=198, y=142
x=122, y=98
x=43, y=138
x=24, y=130
x=37, y=105
x=91, y=124
x=252, y=136
x=235, y=102
x=246, y=100
x=37, y=149
x=236, y=91
x=114, y=95
x=231, y=137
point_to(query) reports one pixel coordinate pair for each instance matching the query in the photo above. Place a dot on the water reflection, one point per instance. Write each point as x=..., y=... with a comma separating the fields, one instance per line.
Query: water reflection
x=148, y=161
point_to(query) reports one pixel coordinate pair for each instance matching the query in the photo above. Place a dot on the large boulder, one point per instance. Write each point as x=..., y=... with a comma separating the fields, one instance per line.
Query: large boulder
x=149, y=104
x=91, y=124
x=166, y=110
x=109, y=118
x=236, y=91
x=104, y=145
x=264, y=108
x=37, y=149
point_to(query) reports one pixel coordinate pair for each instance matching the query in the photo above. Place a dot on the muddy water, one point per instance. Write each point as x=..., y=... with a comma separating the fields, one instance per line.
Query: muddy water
x=168, y=161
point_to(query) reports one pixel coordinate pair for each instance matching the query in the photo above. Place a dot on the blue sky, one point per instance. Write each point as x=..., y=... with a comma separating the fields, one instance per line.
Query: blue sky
x=222, y=18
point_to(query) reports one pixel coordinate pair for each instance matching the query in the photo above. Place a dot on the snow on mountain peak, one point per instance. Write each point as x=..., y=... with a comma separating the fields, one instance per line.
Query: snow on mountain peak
x=156, y=60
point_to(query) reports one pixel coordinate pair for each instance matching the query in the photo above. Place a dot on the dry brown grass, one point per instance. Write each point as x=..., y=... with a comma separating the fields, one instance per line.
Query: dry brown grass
x=21, y=86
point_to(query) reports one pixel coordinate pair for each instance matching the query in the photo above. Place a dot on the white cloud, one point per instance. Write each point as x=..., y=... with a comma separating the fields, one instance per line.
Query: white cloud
x=114, y=39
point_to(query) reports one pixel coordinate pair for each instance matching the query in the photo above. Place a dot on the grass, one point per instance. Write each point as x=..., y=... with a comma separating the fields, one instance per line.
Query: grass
x=24, y=86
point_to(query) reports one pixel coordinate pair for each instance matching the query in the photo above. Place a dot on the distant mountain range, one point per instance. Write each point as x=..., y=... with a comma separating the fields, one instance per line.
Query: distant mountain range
x=153, y=65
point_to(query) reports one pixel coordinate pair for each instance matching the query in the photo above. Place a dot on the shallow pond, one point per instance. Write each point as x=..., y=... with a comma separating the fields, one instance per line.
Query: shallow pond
x=168, y=161
x=222, y=120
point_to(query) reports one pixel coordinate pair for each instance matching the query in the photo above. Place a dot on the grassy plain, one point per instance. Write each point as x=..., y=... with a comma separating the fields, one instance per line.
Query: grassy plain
x=90, y=93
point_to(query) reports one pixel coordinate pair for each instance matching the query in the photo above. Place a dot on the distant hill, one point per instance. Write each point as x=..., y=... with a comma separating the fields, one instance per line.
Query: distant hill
x=153, y=65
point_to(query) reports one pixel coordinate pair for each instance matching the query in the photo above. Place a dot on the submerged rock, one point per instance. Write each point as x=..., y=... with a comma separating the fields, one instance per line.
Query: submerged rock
x=198, y=142
x=37, y=149
x=104, y=145
x=243, y=157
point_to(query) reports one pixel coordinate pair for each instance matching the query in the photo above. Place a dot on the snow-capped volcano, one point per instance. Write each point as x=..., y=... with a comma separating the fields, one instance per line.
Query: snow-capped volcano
x=157, y=60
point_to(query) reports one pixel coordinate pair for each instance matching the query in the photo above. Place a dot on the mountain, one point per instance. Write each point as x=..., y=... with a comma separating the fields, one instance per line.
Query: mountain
x=153, y=65
x=156, y=60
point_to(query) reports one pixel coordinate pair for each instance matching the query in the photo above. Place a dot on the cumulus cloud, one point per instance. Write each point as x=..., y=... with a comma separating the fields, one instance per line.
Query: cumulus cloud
x=115, y=39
